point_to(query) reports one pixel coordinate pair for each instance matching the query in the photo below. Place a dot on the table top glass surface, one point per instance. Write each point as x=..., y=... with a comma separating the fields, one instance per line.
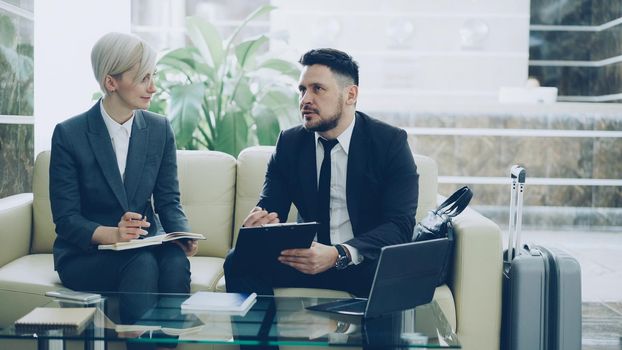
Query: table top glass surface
x=270, y=321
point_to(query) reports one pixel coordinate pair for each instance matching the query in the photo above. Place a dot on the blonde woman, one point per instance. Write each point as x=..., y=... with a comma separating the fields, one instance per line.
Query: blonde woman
x=112, y=169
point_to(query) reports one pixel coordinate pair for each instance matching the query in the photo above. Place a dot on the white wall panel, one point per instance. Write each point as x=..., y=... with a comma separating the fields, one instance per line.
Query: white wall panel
x=65, y=32
x=446, y=48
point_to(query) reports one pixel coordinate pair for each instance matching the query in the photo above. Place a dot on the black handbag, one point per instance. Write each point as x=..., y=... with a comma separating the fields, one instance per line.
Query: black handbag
x=437, y=224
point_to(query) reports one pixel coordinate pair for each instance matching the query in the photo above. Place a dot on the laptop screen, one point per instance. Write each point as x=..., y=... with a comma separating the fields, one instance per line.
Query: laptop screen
x=406, y=276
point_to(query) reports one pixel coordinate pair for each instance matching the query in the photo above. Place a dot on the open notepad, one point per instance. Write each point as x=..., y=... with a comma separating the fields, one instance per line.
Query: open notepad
x=72, y=318
x=153, y=240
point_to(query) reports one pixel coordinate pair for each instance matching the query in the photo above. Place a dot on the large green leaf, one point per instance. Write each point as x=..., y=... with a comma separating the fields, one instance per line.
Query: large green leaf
x=283, y=104
x=207, y=40
x=188, y=61
x=247, y=50
x=177, y=60
x=232, y=133
x=285, y=67
x=185, y=110
x=262, y=10
x=267, y=125
x=244, y=97
x=158, y=105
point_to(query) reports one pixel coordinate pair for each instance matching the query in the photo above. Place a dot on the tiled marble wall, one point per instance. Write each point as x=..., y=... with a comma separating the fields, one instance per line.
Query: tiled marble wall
x=16, y=96
x=16, y=160
x=592, y=46
x=543, y=157
x=16, y=61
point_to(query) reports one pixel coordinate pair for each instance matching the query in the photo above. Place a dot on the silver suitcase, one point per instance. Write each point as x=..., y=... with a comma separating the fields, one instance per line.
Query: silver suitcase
x=541, y=289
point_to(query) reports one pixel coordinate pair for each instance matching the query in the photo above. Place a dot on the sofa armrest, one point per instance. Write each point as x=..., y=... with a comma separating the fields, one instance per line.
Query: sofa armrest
x=16, y=228
x=476, y=280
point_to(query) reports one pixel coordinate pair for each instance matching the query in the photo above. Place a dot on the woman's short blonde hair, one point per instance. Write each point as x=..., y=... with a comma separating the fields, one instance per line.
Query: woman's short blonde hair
x=116, y=53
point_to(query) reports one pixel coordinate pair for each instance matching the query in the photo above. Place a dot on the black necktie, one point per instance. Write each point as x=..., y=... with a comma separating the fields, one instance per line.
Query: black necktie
x=324, y=193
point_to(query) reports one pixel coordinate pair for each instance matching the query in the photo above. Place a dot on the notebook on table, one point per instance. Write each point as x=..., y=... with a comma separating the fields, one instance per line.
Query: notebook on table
x=406, y=277
x=234, y=303
x=70, y=318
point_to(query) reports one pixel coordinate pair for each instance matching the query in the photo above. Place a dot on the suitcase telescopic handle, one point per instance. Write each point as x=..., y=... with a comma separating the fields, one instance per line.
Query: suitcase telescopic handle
x=517, y=176
x=518, y=173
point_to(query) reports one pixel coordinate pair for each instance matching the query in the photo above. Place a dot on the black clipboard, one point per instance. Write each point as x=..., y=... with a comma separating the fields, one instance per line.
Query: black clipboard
x=264, y=244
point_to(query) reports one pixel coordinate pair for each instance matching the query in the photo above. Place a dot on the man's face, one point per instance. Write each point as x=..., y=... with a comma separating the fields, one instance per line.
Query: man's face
x=321, y=98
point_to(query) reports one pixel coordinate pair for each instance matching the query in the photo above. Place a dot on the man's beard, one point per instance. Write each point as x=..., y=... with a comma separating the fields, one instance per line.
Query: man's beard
x=326, y=124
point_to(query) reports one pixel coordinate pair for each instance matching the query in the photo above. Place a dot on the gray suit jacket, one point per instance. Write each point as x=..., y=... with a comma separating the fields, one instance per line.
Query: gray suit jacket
x=86, y=189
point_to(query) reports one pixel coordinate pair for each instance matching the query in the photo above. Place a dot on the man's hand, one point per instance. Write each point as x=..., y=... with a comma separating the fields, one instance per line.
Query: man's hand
x=312, y=261
x=258, y=217
x=189, y=246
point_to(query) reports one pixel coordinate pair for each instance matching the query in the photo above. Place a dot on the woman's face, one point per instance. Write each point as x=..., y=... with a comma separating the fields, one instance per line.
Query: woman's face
x=134, y=95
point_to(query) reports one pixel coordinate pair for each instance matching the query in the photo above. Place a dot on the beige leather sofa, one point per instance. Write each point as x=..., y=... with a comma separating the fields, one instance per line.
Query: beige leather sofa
x=217, y=192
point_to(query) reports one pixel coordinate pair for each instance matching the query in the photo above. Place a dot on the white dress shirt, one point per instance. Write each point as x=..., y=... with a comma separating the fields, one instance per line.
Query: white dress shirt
x=120, y=136
x=340, y=226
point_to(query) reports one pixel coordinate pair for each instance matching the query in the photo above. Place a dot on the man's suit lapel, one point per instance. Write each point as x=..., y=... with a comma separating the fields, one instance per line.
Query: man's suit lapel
x=137, y=154
x=357, y=168
x=308, y=172
x=104, y=154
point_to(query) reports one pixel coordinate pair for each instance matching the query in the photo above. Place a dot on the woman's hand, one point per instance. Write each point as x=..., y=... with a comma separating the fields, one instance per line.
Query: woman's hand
x=129, y=227
x=189, y=246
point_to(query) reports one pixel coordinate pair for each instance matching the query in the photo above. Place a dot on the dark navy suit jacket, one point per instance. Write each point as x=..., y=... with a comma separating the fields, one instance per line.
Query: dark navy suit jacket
x=86, y=189
x=381, y=186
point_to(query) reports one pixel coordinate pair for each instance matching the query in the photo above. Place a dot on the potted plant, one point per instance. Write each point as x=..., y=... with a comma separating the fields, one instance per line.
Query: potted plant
x=225, y=95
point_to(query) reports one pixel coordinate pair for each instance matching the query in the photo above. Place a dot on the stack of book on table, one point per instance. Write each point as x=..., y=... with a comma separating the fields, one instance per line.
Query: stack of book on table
x=231, y=303
x=73, y=319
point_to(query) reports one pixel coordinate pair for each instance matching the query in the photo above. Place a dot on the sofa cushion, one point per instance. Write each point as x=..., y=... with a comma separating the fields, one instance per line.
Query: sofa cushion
x=206, y=272
x=16, y=228
x=32, y=273
x=207, y=186
x=43, y=225
x=252, y=161
x=445, y=300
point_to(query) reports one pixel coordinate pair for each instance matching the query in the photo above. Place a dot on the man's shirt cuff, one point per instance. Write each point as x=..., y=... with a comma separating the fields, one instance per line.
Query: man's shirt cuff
x=354, y=255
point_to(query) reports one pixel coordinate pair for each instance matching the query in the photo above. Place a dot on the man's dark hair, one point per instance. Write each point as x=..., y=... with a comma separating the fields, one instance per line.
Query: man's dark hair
x=338, y=62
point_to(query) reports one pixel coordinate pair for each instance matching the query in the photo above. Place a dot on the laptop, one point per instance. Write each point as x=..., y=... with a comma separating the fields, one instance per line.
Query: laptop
x=406, y=277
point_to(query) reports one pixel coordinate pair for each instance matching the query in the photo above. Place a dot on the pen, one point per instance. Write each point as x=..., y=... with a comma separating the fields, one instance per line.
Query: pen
x=144, y=214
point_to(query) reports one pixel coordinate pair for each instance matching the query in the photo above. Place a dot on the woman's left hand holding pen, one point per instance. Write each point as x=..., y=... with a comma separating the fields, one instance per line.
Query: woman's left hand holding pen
x=131, y=226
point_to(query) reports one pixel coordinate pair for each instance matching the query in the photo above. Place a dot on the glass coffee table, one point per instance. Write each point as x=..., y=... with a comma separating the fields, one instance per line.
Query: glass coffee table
x=282, y=321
